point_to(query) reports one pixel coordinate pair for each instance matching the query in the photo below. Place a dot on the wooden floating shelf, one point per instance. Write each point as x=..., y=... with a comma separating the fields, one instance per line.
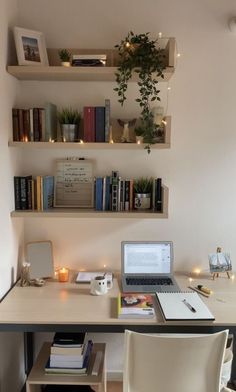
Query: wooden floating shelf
x=55, y=72
x=86, y=146
x=91, y=213
x=83, y=74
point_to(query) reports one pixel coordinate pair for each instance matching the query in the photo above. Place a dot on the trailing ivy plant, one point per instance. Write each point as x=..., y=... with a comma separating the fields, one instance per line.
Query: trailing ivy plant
x=140, y=54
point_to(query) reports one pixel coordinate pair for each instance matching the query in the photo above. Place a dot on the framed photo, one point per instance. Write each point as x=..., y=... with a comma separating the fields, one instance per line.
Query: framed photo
x=219, y=262
x=74, y=183
x=30, y=47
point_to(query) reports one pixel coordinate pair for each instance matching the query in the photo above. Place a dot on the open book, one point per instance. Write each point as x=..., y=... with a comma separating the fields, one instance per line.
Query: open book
x=183, y=306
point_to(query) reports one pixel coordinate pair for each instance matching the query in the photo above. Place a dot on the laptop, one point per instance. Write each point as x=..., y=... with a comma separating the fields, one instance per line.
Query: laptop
x=147, y=266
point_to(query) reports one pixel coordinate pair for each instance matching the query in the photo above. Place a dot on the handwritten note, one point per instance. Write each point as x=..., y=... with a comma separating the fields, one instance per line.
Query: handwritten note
x=74, y=183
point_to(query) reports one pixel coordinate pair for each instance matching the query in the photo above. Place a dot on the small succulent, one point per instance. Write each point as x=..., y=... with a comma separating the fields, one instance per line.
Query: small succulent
x=143, y=185
x=69, y=116
x=64, y=55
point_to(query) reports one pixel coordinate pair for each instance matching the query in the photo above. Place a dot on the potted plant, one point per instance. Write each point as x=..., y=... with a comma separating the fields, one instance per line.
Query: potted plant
x=69, y=120
x=65, y=56
x=140, y=54
x=142, y=193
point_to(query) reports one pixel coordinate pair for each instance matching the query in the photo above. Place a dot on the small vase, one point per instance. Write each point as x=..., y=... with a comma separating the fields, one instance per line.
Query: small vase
x=69, y=132
x=142, y=201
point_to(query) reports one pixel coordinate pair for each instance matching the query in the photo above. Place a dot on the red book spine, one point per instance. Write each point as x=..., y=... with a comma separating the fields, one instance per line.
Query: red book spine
x=89, y=124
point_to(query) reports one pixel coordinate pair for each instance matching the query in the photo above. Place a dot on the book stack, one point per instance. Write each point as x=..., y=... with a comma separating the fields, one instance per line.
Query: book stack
x=89, y=60
x=97, y=123
x=34, y=193
x=135, y=306
x=35, y=124
x=70, y=354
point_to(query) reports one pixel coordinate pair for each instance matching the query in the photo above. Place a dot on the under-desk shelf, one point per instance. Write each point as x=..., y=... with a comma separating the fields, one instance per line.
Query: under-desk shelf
x=38, y=377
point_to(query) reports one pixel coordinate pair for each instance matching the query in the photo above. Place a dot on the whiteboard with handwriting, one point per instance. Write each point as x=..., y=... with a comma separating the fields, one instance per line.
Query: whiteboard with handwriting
x=74, y=183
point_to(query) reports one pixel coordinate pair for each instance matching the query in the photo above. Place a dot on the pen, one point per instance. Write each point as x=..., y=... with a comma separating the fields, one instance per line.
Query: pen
x=189, y=306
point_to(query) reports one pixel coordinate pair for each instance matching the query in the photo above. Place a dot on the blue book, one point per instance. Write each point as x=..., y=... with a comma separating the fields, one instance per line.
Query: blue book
x=100, y=124
x=48, y=192
x=98, y=193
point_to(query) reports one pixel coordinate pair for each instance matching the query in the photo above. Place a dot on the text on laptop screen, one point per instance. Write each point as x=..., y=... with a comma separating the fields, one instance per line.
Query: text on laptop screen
x=147, y=258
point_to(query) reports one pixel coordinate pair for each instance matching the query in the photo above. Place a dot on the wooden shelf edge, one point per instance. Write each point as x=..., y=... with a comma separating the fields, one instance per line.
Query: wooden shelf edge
x=59, y=73
x=68, y=213
x=87, y=146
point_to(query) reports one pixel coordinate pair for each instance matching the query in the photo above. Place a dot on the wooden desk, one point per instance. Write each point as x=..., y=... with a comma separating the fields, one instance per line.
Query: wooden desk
x=70, y=307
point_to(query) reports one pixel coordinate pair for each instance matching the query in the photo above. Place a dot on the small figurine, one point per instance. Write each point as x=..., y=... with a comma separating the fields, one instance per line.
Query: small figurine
x=125, y=138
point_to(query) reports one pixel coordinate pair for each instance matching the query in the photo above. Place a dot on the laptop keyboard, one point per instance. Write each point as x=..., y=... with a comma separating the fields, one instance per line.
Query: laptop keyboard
x=149, y=281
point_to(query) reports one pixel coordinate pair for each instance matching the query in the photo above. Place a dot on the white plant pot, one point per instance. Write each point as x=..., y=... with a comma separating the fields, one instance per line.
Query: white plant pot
x=65, y=63
x=142, y=201
x=69, y=132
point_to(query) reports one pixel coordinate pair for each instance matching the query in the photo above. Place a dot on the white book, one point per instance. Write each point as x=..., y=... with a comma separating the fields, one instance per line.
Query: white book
x=183, y=306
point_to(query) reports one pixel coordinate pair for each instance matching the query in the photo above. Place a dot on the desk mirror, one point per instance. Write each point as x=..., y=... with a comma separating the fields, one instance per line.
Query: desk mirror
x=40, y=256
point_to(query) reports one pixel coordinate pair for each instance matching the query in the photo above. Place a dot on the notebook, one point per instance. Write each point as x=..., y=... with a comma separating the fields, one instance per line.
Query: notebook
x=183, y=306
x=146, y=266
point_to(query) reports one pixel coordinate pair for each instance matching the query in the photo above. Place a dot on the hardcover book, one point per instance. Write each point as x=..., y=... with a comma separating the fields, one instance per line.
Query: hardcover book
x=136, y=305
x=89, y=124
x=100, y=124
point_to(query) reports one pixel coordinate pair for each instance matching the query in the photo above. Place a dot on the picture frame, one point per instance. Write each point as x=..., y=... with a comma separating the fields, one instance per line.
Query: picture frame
x=74, y=183
x=39, y=255
x=30, y=47
x=219, y=262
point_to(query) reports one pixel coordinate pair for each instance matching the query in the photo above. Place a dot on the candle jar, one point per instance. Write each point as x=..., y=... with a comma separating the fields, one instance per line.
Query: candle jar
x=63, y=275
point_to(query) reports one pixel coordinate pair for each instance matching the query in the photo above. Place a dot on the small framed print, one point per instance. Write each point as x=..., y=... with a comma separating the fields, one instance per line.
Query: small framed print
x=74, y=183
x=30, y=47
x=219, y=262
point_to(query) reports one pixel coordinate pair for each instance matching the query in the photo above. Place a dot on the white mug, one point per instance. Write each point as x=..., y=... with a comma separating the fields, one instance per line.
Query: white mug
x=100, y=285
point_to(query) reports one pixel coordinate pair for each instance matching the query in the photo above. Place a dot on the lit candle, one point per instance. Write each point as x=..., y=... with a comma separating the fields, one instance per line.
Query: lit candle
x=63, y=275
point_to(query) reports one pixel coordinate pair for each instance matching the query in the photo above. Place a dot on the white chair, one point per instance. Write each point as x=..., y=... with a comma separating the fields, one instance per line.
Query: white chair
x=173, y=363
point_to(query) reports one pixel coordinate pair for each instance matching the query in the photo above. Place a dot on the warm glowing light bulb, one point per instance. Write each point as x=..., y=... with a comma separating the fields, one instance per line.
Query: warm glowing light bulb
x=190, y=280
x=178, y=55
x=104, y=266
x=197, y=271
x=164, y=122
x=138, y=142
x=168, y=88
x=127, y=44
x=160, y=34
x=232, y=277
x=111, y=141
x=81, y=141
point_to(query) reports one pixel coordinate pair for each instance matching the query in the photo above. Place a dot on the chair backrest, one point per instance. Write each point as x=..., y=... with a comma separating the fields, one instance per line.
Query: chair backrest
x=173, y=363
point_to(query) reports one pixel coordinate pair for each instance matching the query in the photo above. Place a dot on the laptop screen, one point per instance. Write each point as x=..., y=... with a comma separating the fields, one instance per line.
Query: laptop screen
x=147, y=257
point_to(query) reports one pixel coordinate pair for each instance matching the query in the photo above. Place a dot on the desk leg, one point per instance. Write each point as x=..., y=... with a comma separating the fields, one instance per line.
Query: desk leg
x=28, y=351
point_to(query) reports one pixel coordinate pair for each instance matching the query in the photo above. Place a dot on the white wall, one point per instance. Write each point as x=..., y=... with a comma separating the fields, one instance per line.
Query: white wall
x=200, y=168
x=11, y=232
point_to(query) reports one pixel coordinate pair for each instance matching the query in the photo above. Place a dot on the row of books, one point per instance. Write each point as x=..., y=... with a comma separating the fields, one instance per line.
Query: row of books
x=35, y=124
x=33, y=193
x=97, y=123
x=70, y=354
x=112, y=193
